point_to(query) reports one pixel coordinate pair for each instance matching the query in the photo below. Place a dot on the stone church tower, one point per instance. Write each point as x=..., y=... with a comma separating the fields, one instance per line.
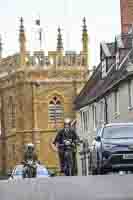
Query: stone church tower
x=36, y=94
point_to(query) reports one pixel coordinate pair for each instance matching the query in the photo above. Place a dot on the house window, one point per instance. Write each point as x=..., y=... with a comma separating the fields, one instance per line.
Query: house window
x=116, y=102
x=83, y=114
x=117, y=60
x=94, y=116
x=130, y=95
x=85, y=120
x=101, y=112
x=82, y=121
x=103, y=68
x=88, y=119
x=55, y=110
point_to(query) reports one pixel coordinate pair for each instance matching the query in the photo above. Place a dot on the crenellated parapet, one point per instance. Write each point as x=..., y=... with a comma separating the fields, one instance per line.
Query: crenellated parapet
x=40, y=60
x=58, y=63
x=70, y=58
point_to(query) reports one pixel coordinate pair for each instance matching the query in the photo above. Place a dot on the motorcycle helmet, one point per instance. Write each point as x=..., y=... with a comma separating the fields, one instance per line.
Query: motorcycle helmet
x=67, y=121
x=29, y=147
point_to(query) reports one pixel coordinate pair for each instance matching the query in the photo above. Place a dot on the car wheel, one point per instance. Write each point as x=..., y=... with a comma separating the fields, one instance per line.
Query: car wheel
x=99, y=169
x=96, y=169
x=89, y=167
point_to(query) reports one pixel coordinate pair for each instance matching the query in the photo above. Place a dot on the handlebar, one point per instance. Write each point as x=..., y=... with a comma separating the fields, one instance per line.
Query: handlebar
x=76, y=142
x=63, y=145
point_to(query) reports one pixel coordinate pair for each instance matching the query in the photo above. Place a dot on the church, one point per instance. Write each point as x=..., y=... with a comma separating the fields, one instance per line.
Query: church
x=36, y=95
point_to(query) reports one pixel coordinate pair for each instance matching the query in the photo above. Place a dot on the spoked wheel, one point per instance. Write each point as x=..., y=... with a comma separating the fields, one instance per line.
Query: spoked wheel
x=29, y=172
x=25, y=172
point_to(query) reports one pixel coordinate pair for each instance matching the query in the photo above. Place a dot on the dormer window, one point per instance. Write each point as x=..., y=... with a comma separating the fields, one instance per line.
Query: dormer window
x=117, y=59
x=104, y=67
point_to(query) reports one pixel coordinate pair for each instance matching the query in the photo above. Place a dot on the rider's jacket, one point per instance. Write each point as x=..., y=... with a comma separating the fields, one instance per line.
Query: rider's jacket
x=30, y=156
x=65, y=134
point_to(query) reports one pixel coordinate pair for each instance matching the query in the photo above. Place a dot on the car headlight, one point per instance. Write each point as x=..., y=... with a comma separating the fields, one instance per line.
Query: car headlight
x=109, y=146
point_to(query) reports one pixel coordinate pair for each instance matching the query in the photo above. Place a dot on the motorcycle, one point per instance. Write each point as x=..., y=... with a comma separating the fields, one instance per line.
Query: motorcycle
x=29, y=169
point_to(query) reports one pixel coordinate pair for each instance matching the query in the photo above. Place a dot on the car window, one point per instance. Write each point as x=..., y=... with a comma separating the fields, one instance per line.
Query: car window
x=115, y=132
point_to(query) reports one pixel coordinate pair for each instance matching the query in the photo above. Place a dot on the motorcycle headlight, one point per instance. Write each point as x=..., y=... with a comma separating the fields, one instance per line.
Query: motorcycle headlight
x=67, y=142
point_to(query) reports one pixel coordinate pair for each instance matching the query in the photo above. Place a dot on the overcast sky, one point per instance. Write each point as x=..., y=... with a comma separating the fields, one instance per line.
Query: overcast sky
x=103, y=21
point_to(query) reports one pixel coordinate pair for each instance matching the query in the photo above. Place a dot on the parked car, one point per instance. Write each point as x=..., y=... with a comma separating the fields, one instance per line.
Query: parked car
x=17, y=172
x=112, y=149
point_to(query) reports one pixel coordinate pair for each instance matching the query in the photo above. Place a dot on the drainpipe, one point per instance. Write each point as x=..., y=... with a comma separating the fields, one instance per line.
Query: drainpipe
x=105, y=111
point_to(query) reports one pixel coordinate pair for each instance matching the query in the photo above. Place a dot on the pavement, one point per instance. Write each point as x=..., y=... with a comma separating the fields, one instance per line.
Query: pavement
x=104, y=187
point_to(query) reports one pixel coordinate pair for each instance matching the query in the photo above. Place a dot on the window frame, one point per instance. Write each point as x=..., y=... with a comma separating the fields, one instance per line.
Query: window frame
x=55, y=115
x=104, y=68
x=116, y=103
x=117, y=59
x=94, y=113
x=130, y=94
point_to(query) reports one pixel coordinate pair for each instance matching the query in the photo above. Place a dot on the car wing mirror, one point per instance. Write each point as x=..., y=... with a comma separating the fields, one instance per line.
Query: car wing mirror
x=98, y=138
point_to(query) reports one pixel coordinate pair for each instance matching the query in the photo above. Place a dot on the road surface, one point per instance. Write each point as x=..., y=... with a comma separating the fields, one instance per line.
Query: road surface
x=105, y=187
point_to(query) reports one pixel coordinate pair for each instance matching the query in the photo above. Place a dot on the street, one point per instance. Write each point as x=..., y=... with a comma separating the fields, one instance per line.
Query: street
x=58, y=188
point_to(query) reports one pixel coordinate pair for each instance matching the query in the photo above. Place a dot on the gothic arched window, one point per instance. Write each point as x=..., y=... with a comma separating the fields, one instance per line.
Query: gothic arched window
x=11, y=112
x=55, y=110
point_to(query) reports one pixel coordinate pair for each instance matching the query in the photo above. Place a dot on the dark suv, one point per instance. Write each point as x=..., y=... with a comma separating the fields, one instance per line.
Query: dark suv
x=112, y=149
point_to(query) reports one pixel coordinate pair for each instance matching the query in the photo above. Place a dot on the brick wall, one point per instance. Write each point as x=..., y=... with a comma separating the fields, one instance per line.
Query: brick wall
x=126, y=14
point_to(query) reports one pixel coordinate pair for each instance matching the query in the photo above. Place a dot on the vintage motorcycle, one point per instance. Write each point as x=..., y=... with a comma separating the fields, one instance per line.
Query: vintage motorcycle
x=29, y=169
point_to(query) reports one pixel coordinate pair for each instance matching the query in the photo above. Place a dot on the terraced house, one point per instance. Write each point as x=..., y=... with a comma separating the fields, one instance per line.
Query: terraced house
x=36, y=94
x=108, y=95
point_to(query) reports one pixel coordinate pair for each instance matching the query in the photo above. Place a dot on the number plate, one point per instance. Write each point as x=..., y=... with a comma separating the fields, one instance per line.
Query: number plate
x=128, y=156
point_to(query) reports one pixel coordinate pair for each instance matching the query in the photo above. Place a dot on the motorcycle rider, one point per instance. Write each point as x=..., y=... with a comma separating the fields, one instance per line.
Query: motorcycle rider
x=30, y=155
x=66, y=133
